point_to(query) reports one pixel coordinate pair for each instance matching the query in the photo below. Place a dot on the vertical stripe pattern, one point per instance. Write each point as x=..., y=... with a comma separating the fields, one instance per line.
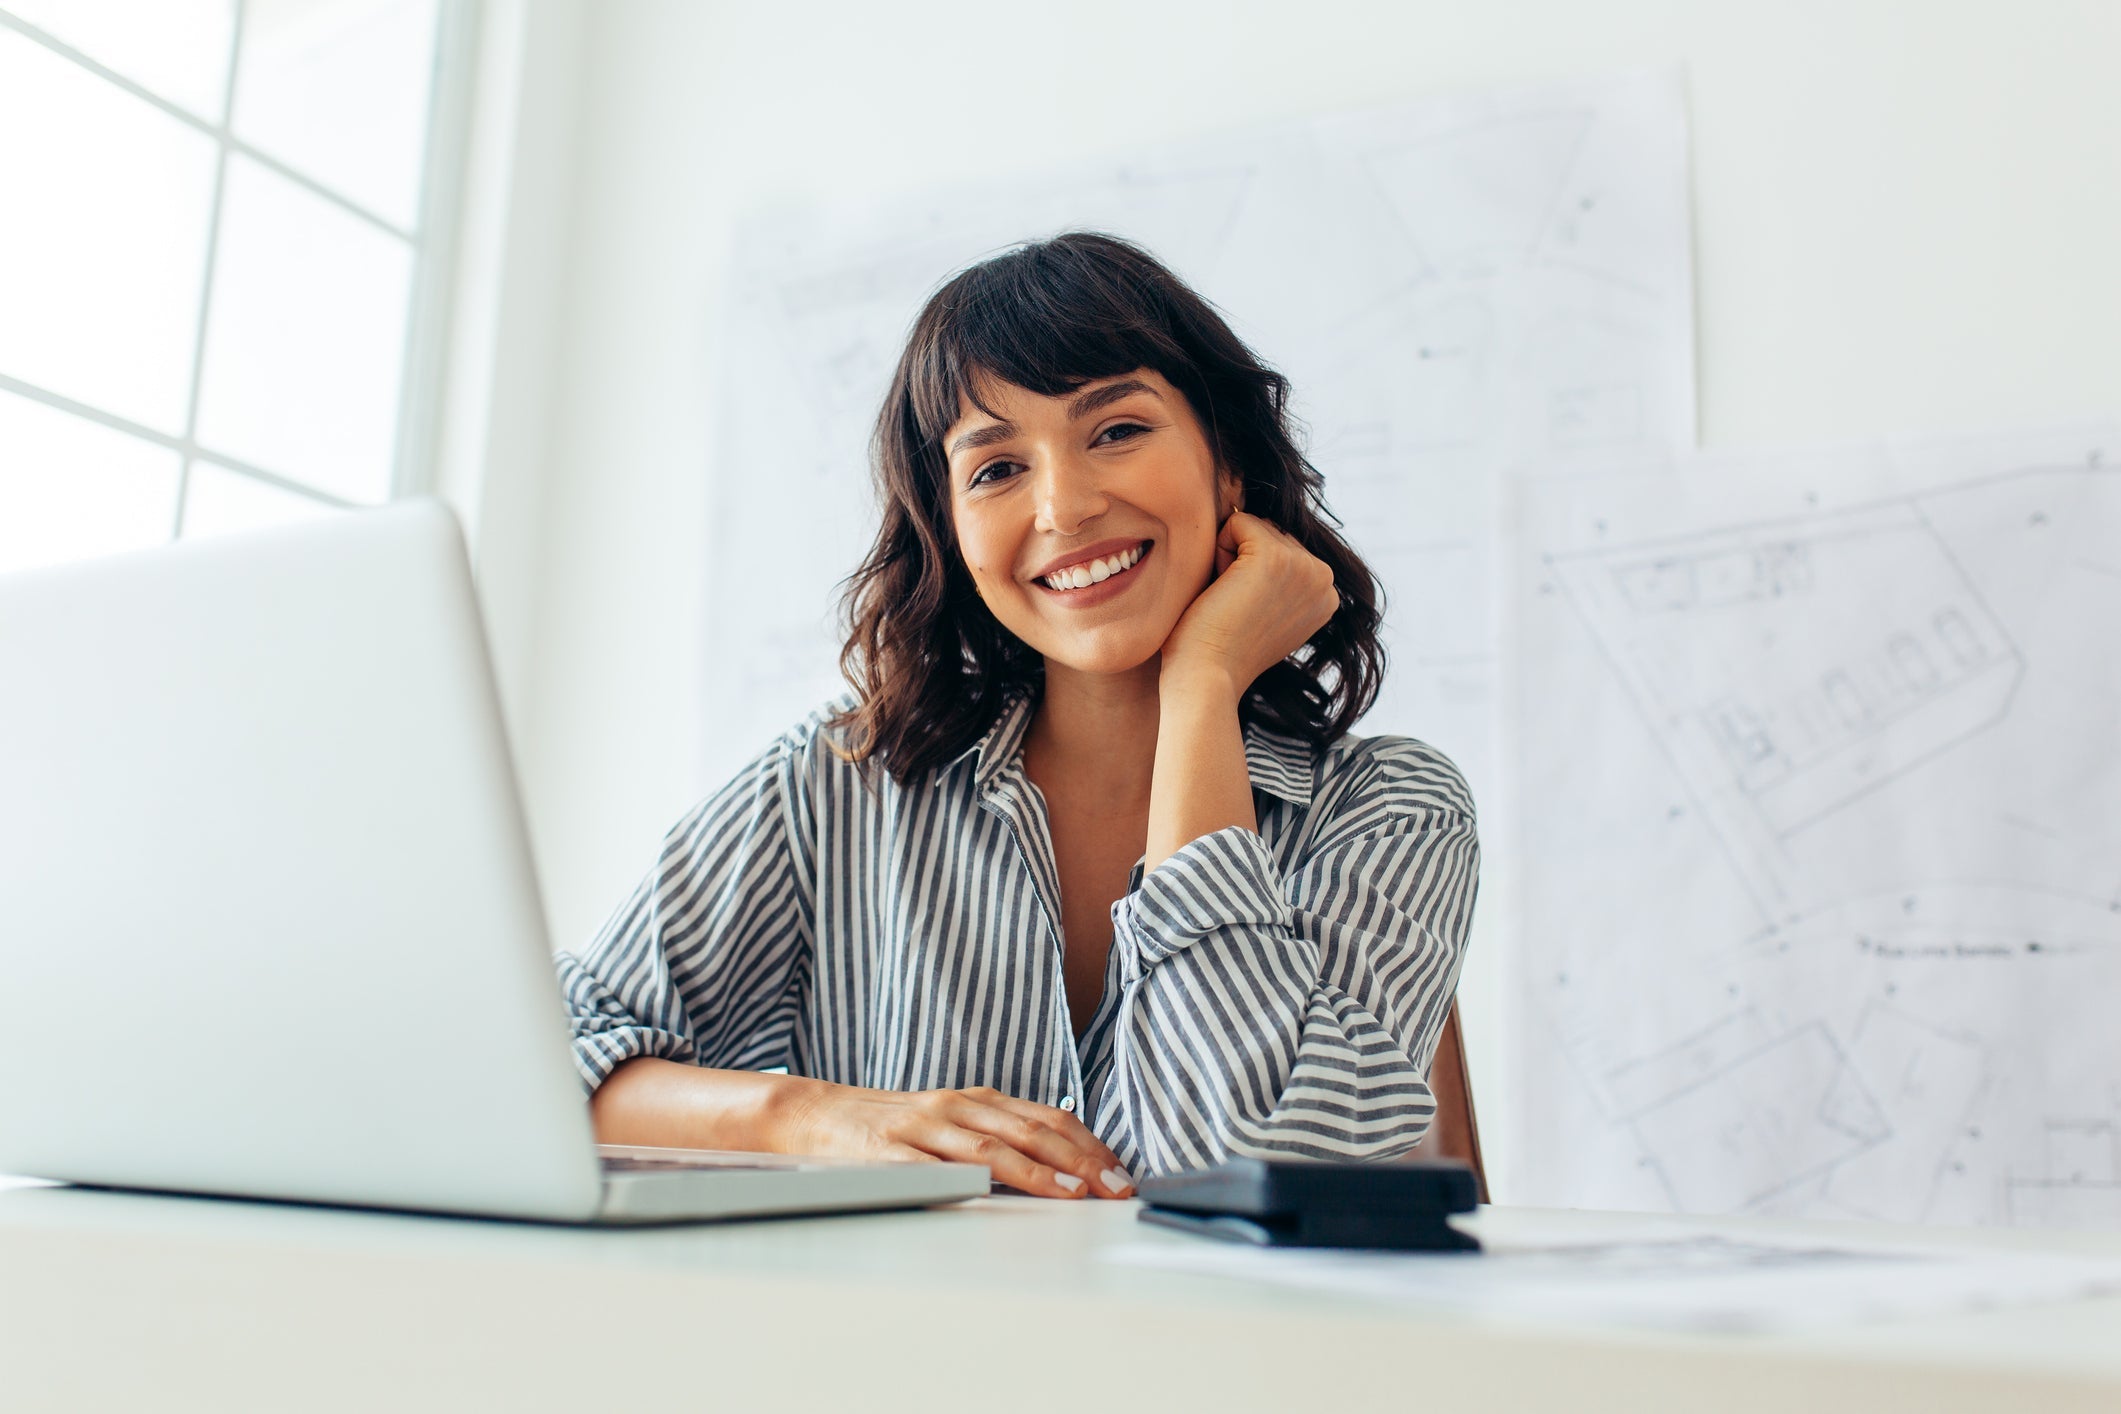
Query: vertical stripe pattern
x=1278, y=992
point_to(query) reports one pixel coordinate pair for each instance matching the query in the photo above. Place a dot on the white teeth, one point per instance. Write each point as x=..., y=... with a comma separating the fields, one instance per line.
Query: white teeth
x=1095, y=572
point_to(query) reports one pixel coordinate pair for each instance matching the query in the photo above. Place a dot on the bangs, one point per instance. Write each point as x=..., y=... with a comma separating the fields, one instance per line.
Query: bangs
x=1044, y=318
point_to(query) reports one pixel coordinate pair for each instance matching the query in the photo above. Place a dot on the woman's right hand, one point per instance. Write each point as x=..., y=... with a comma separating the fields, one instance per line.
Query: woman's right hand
x=1033, y=1148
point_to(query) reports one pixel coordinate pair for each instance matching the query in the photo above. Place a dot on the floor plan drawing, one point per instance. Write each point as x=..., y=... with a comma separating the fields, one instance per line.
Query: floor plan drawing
x=1840, y=653
x=2078, y=1181
x=1522, y=163
x=1761, y=1124
x=1823, y=884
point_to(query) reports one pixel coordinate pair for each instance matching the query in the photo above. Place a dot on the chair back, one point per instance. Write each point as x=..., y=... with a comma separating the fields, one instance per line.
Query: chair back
x=1455, y=1133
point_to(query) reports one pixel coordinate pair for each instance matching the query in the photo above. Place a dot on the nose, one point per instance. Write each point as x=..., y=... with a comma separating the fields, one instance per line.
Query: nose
x=1068, y=494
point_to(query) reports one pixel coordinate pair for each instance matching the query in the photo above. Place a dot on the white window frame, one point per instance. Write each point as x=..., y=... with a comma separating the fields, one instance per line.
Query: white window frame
x=431, y=239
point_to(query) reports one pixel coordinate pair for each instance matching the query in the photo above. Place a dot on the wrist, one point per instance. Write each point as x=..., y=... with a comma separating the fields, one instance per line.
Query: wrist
x=1197, y=684
x=781, y=1121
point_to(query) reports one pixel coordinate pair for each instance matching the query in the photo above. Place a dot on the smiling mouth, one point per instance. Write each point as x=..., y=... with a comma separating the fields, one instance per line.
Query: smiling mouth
x=1089, y=575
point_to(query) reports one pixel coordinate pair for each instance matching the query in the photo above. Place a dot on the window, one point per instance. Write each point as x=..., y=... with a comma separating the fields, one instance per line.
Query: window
x=223, y=228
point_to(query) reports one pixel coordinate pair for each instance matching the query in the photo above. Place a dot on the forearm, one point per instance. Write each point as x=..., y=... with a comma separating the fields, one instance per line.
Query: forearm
x=671, y=1105
x=1339, y=1084
x=1345, y=958
x=1200, y=783
x=666, y=1104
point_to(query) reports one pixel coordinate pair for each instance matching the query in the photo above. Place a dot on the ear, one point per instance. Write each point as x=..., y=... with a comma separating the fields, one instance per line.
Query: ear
x=1229, y=494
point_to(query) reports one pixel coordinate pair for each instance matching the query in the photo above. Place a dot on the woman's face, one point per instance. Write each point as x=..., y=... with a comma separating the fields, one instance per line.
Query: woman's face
x=1117, y=468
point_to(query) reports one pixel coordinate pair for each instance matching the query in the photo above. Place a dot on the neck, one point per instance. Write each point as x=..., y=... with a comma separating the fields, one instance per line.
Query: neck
x=1097, y=732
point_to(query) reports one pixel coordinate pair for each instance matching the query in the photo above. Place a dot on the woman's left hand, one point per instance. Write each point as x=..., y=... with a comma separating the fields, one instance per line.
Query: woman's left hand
x=1268, y=596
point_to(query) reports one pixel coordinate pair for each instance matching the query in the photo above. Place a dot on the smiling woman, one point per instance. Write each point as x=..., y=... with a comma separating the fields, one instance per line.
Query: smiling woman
x=1087, y=872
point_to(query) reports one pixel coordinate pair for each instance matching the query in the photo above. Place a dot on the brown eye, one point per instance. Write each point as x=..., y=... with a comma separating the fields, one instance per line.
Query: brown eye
x=981, y=475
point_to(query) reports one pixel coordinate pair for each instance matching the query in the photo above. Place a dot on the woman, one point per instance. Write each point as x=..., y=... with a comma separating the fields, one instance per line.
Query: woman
x=1086, y=877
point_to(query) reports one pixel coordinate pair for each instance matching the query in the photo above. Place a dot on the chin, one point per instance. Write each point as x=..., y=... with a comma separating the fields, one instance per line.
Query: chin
x=1105, y=658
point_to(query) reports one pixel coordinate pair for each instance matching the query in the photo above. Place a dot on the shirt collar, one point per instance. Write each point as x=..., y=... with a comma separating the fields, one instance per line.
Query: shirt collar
x=1279, y=765
x=998, y=746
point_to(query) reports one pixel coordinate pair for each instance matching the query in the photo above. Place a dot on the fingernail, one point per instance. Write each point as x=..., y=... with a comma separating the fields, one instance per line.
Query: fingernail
x=1116, y=1179
x=1068, y=1181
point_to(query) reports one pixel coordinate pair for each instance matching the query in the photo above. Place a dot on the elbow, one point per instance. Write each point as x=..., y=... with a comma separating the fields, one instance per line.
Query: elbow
x=1336, y=1132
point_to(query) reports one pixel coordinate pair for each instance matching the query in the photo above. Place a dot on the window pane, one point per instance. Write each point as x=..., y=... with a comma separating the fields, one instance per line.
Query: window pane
x=306, y=338
x=175, y=48
x=70, y=488
x=103, y=244
x=217, y=502
x=338, y=89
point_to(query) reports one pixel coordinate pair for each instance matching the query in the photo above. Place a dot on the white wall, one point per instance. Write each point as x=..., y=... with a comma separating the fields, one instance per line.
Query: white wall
x=512, y=258
x=1908, y=217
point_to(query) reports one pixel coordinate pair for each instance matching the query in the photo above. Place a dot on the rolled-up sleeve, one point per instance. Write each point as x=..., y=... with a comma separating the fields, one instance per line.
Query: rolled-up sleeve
x=1269, y=1012
x=699, y=964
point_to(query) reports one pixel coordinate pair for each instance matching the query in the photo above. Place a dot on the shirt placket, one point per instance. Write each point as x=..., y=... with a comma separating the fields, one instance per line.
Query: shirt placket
x=1012, y=797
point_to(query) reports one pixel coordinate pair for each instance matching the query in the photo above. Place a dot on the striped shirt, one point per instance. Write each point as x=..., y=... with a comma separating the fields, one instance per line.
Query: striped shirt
x=1278, y=992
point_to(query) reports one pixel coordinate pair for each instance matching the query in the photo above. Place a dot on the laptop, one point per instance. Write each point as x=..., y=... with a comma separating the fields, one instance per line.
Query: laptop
x=268, y=921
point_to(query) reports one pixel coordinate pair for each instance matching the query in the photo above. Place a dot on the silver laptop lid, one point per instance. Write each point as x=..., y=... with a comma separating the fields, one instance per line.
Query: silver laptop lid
x=268, y=923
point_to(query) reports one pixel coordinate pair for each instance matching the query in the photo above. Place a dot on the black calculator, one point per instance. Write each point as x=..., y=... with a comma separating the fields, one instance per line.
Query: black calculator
x=1315, y=1203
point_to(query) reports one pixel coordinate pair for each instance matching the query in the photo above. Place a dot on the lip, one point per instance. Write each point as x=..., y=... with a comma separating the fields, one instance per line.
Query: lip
x=1098, y=593
x=1091, y=552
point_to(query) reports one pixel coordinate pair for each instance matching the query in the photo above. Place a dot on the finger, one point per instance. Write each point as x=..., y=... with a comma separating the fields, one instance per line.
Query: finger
x=1053, y=1137
x=1067, y=1123
x=1230, y=542
x=948, y=1140
x=905, y=1154
x=1111, y=1175
x=1031, y=1136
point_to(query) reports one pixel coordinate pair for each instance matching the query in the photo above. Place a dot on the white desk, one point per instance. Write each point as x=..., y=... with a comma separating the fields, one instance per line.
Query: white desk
x=116, y=1301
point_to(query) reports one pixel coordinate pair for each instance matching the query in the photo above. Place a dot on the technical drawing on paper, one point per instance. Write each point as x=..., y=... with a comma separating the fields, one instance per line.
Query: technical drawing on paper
x=1853, y=650
x=1823, y=878
x=1523, y=160
x=1451, y=286
x=2078, y=1180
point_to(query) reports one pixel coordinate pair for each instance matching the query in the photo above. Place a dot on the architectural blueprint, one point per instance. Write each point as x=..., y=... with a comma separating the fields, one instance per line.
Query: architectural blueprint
x=1452, y=287
x=1816, y=765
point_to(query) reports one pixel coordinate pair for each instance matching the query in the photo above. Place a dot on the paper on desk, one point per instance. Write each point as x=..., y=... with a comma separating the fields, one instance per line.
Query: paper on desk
x=1681, y=1280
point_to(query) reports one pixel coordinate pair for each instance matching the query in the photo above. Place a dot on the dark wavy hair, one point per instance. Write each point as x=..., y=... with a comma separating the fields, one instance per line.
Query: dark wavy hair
x=930, y=664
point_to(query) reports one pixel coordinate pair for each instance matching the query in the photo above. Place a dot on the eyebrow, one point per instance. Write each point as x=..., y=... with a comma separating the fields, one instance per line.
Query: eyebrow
x=1082, y=405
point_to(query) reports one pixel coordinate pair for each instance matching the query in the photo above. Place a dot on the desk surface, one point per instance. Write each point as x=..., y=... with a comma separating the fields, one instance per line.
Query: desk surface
x=111, y=1299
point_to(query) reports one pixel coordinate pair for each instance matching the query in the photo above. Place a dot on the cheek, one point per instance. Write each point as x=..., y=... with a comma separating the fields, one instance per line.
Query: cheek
x=1193, y=549
x=979, y=557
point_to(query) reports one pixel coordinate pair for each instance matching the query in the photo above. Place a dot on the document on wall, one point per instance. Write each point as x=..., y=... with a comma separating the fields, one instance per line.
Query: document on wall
x=1452, y=287
x=1820, y=861
x=1730, y=1283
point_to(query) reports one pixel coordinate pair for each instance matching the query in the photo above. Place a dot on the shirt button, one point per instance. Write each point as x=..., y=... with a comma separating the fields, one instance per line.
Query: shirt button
x=1068, y=1103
